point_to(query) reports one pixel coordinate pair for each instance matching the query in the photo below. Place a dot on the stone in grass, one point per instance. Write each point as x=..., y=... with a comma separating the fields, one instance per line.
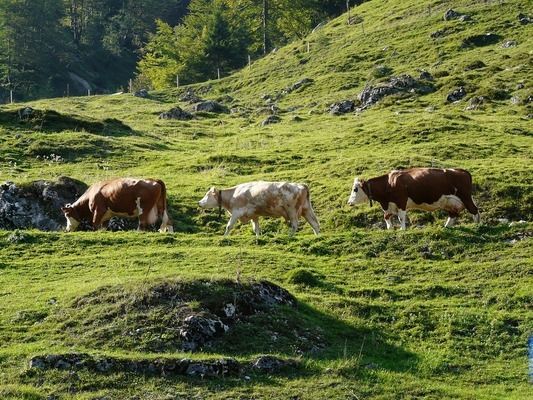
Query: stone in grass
x=271, y=364
x=176, y=113
x=481, y=40
x=509, y=43
x=475, y=103
x=456, y=95
x=341, y=107
x=271, y=119
x=210, y=106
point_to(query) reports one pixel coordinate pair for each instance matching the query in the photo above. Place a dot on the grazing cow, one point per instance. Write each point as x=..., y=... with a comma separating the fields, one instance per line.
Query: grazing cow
x=130, y=198
x=249, y=201
x=428, y=189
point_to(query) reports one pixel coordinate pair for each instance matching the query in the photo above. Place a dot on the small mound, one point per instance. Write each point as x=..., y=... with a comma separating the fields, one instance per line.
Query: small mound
x=53, y=121
x=304, y=277
x=190, y=316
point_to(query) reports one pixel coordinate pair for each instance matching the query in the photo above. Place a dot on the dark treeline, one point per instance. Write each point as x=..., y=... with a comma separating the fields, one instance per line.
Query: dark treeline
x=49, y=47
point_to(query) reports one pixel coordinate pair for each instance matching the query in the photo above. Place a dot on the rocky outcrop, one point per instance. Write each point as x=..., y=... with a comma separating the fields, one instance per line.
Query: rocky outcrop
x=341, y=107
x=38, y=204
x=159, y=367
x=475, y=103
x=142, y=93
x=456, y=95
x=481, y=40
x=210, y=106
x=271, y=119
x=295, y=86
x=176, y=113
x=190, y=97
x=214, y=368
x=396, y=85
x=199, y=329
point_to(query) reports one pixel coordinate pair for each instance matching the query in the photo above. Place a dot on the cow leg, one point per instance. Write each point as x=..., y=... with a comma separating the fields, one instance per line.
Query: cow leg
x=293, y=218
x=166, y=224
x=452, y=218
x=468, y=201
x=310, y=217
x=233, y=219
x=98, y=215
x=402, y=217
x=387, y=217
x=256, y=227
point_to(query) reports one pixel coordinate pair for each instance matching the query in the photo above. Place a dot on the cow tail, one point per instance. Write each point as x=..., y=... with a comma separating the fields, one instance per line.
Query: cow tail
x=163, y=194
x=308, y=194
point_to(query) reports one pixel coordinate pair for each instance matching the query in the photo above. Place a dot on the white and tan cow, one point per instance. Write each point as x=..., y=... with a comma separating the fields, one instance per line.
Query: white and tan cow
x=249, y=201
x=145, y=199
x=428, y=189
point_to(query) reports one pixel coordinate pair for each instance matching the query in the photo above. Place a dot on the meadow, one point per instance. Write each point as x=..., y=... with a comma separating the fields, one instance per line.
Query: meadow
x=425, y=313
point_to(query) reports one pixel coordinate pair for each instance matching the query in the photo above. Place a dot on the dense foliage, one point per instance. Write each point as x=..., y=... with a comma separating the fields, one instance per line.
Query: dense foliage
x=59, y=47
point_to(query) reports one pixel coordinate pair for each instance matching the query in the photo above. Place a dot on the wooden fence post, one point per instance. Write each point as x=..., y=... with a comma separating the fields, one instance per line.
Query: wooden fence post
x=11, y=96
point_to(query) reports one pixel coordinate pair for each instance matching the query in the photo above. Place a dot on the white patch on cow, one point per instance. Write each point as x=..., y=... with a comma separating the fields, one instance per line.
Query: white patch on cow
x=165, y=226
x=450, y=222
x=358, y=195
x=477, y=218
x=152, y=215
x=448, y=202
x=402, y=217
x=138, y=204
x=72, y=224
x=389, y=223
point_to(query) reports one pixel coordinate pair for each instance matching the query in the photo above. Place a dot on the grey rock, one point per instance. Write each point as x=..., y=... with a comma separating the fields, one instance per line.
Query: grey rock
x=456, y=95
x=38, y=204
x=451, y=14
x=210, y=106
x=515, y=100
x=190, y=97
x=271, y=119
x=341, y=107
x=475, y=103
x=520, y=85
x=143, y=93
x=481, y=40
x=475, y=65
x=176, y=113
x=199, y=329
x=524, y=19
x=438, y=34
x=300, y=84
x=425, y=75
x=396, y=84
x=62, y=364
x=270, y=364
x=37, y=363
x=509, y=43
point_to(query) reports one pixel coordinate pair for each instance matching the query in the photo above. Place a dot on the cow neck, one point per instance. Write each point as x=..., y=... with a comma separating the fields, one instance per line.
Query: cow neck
x=82, y=207
x=220, y=203
x=368, y=191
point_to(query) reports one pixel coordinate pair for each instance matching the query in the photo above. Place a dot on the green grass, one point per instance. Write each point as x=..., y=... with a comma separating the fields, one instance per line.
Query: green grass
x=428, y=313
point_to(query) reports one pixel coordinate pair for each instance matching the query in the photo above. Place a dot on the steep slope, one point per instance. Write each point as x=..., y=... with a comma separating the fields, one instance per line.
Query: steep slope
x=427, y=313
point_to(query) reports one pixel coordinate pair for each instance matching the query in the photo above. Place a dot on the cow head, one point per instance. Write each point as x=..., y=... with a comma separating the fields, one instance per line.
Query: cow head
x=358, y=195
x=73, y=219
x=210, y=199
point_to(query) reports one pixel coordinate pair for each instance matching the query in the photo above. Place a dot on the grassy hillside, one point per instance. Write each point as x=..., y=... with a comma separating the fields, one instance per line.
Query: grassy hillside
x=426, y=313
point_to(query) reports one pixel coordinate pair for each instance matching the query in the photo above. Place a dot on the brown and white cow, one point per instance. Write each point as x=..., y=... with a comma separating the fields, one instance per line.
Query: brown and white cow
x=127, y=197
x=426, y=189
x=249, y=201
